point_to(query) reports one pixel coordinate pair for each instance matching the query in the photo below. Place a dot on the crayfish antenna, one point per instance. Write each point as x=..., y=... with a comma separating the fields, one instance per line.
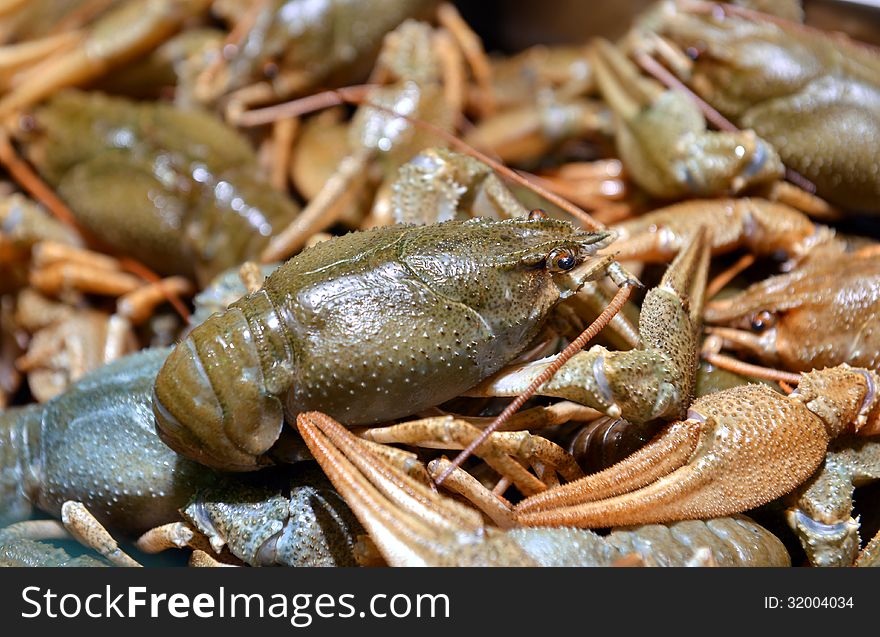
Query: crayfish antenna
x=721, y=337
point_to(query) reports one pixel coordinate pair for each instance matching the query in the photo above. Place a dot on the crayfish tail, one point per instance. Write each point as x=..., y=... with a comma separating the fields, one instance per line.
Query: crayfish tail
x=211, y=400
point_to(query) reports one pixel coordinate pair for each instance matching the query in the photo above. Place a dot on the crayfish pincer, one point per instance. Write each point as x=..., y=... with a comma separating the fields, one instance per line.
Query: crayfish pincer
x=368, y=327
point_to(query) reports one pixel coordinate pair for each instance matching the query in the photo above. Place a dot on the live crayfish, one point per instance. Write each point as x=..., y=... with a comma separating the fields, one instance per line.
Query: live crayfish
x=327, y=331
x=798, y=88
x=200, y=205
x=720, y=460
x=778, y=320
x=96, y=444
x=292, y=45
x=253, y=520
x=634, y=510
x=414, y=526
x=663, y=139
x=419, y=68
x=78, y=55
x=659, y=396
x=292, y=334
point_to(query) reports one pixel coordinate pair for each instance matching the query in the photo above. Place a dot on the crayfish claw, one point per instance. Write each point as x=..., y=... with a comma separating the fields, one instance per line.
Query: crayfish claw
x=739, y=449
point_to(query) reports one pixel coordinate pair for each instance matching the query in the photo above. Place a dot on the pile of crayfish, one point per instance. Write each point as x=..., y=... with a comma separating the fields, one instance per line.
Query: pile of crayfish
x=325, y=284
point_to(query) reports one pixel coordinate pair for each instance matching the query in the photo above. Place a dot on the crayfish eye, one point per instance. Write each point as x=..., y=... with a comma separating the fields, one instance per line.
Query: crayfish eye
x=270, y=70
x=762, y=320
x=561, y=259
x=537, y=215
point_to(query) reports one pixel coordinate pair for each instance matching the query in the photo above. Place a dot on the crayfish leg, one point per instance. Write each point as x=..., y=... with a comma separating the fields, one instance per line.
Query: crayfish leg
x=90, y=533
